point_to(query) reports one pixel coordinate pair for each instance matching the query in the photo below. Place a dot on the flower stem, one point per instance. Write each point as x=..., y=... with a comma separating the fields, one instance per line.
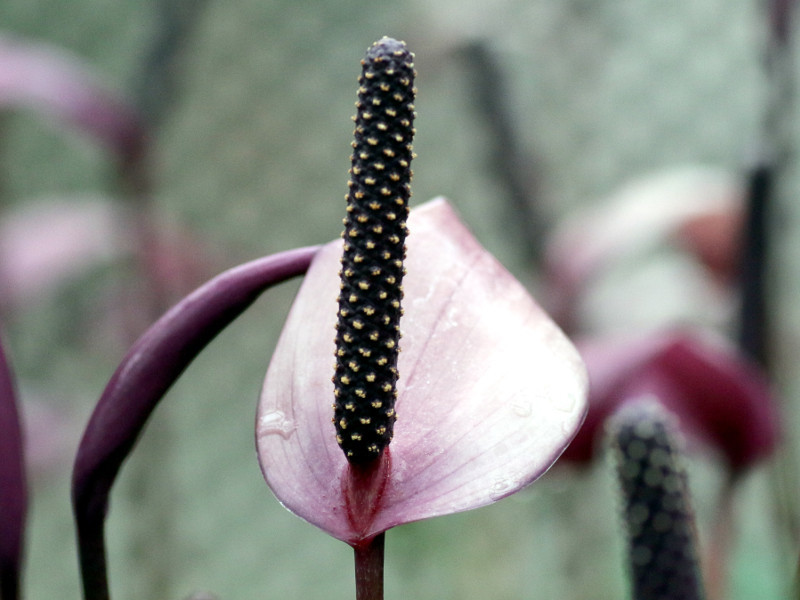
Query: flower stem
x=369, y=569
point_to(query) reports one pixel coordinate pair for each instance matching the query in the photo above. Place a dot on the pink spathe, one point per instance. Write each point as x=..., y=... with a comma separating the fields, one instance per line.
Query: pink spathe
x=490, y=391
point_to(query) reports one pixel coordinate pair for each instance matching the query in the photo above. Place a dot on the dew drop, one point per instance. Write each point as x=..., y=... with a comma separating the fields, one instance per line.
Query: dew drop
x=503, y=487
x=276, y=423
x=522, y=409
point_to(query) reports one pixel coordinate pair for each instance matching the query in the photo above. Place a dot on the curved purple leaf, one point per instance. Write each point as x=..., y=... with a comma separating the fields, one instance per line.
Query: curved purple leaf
x=151, y=366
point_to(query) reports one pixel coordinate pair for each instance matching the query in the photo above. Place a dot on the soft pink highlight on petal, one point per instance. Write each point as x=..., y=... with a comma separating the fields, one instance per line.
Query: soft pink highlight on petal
x=490, y=390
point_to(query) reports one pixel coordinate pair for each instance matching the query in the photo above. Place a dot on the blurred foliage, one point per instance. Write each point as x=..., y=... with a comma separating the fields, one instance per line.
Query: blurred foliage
x=251, y=154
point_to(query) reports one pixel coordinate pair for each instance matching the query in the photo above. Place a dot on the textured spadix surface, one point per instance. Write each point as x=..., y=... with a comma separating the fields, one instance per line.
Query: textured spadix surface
x=489, y=394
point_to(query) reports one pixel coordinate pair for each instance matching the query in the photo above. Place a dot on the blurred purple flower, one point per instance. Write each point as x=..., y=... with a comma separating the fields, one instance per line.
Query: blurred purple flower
x=35, y=75
x=490, y=392
x=720, y=397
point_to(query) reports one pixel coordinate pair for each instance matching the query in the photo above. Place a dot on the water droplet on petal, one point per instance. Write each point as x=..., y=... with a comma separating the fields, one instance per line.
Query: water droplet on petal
x=276, y=423
x=522, y=408
x=504, y=486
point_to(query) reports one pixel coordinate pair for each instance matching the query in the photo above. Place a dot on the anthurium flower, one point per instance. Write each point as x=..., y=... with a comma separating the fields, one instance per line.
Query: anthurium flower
x=690, y=219
x=720, y=397
x=489, y=392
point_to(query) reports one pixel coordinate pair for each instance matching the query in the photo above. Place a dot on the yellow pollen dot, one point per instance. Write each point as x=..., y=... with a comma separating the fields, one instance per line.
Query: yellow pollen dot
x=364, y=352
x=353, y=233
x=344, y=380
x=382, y=295
x=370, y=377
x=382, y=127
x=353, y=366
x=382, y=360
x=358, y=257
x=370, y=245
x=379, y=166
x=339, y=439
x=369, y=311
x=350, y=406
x=376, y=404
x=386, y=191
x=365, y=420
x=391, y=216
x=391, y=280
x=369, y=180
x=376, y=102
x=398, y=138
x=374, y=142
x=377, y=229
x=363, y=285
x=387, y=387
x=389, y=412
x=373, y=448
x=374, y=336
x=389, y=152
x=360, y=393
x=356, y=437
x=367, y=115
x=394, y=177
x=384, y=87
x=359, y=195
x=374, y=205
x=363, y=156
x=358, y=324
x=381, y=430
x=355, y=171
x=343, y=423
x=348, y=273
x=353, y=298
x=390, y=112
x=390, y=344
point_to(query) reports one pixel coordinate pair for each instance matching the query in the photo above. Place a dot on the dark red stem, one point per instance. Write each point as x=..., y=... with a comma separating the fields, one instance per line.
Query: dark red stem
x=13, y=487
x=149, y=369
x=369, y=569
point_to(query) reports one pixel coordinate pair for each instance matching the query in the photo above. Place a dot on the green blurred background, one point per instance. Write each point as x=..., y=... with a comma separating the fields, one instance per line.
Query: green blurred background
x=252, y=131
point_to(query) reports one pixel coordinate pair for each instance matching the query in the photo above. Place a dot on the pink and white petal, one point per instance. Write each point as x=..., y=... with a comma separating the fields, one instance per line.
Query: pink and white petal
x=490, y=391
